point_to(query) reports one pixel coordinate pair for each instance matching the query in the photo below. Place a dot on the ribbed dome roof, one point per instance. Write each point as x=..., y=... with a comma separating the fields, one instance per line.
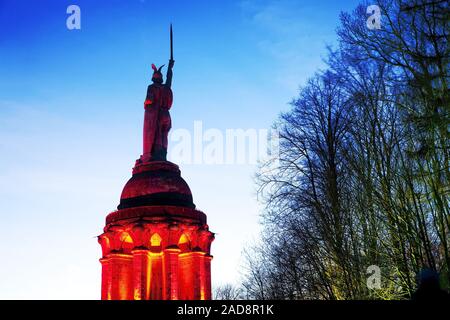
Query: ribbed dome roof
x=156, y=183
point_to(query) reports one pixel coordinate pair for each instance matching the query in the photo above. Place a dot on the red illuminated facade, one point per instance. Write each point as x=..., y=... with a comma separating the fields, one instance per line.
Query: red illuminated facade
x=156, y=246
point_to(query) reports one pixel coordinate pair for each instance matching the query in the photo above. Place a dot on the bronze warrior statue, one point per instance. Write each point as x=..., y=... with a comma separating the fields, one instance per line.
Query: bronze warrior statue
x=157, y=122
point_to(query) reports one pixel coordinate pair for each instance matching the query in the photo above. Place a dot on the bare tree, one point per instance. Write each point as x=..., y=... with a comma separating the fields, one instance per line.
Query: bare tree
x=228, y=292
x=363, y=176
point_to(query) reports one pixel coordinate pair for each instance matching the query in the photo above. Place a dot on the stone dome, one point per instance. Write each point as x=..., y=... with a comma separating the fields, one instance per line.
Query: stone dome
x=156, y=183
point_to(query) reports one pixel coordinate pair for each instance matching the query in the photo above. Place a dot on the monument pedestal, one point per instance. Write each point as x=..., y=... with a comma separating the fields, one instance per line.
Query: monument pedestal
x=156, y=245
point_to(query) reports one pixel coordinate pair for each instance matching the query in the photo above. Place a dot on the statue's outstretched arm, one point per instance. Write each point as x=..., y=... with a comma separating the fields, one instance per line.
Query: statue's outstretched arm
x=169, y=73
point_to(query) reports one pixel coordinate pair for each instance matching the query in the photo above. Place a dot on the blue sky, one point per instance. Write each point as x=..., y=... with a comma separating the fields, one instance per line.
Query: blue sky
x=71, y=119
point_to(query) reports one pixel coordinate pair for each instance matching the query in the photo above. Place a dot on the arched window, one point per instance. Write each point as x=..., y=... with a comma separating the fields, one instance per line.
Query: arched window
x=184, y=243
x=155, y=240
x=126, y=242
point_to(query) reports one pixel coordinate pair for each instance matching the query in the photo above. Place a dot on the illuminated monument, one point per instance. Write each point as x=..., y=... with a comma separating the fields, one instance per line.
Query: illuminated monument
x=156, y=245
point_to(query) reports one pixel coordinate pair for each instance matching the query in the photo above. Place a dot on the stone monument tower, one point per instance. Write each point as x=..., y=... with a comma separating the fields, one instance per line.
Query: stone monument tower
x=156, y=245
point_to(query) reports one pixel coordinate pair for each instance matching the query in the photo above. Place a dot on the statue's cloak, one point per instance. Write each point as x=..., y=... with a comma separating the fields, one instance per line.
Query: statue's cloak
x=156, y=119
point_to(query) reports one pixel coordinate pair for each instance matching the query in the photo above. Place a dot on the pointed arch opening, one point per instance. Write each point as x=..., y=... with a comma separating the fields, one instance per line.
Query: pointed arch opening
x=126, y=242
x=155, y=240
x=184, y=243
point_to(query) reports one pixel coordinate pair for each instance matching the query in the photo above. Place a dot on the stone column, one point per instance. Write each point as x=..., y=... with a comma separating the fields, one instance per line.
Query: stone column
x=171, y=273
x=141, y=274
x=106, y=279
x=121, y=279
x=198, y=275
x=185, y=277
x=207, y=262
x=156, y=276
